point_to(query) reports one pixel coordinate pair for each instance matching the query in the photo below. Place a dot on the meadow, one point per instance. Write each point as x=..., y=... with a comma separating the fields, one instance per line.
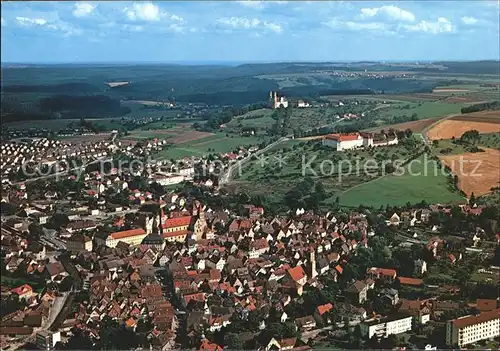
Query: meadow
x=217, y=143
x=398, y=190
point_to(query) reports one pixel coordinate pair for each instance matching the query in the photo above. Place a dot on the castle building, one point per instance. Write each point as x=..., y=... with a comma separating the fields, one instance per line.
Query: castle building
x=276, y=101
x=349, y=141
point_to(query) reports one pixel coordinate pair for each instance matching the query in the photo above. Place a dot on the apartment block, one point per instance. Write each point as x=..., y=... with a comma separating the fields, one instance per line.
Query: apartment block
x=383, y=327
x=471, y=329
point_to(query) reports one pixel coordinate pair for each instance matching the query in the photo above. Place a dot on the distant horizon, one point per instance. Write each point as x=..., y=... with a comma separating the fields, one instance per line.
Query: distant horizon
x=234, y=63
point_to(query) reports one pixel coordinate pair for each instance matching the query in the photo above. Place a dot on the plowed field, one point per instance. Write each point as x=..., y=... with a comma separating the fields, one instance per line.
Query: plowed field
x=477, y=172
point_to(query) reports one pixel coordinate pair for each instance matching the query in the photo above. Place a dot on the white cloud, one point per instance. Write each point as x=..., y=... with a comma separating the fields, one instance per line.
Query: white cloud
x=174, y=27
x=469, y=20
x=176, y=18
x=29, y=22
x=83, y=9
x=442, y=25
x=53, y=25
x=273, y=27
x=143, y=11
x=4, y=23
x=388, y=11
x=248, y=23
x=132, y=28
x=356, y=26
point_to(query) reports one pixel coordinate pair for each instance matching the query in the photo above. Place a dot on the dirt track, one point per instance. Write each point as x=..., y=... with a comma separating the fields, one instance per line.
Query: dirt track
x=477, y=172
x=449, y=90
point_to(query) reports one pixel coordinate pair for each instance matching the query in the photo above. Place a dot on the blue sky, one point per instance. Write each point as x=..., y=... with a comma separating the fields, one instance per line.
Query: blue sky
x=249, y=31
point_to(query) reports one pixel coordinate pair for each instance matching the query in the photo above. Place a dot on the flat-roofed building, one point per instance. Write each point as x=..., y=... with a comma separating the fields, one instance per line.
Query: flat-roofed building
x=471, y=329
x=383, y=327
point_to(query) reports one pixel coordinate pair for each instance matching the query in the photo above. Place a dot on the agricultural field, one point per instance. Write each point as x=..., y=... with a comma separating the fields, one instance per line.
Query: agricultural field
x=214, y=143
x=483, y=122
x=422, y=180
x=477, y=172
x=422, y=110
x=415, y=126
x=261, y=120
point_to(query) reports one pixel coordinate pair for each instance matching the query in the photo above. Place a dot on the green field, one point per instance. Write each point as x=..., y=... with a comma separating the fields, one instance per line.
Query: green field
x=398, y=190
x=448, y=147
x=423, y=109
x=218, y=143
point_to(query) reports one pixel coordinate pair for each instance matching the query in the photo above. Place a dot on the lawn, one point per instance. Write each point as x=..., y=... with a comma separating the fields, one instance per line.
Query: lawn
x=448, y=147
x=424, y=184
x=423, y=110
x=218, y=143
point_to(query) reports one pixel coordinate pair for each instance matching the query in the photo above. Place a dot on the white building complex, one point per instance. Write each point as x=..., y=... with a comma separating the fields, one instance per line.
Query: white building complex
x=471, y=329
x=349, y=141
x=383, y=327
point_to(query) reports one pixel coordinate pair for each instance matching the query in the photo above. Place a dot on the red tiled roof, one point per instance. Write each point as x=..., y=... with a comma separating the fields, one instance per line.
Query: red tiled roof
x=127, y=233
x=344, y=137
x=324, y=308
x=486, y=304
x=472, y=320
x=200, y=297
x=296, y=273
x=176, y=233
x=410, y=281
x=382, y=271
x=287, y=342
x=23, y=289
x=208, y=346
x=176, y=222
x=339, y=269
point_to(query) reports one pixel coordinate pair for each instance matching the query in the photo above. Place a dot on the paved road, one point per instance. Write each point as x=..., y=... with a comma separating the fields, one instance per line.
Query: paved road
x=55, y=310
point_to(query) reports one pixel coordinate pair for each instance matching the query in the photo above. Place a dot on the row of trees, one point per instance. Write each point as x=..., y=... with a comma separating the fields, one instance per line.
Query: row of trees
x=481, y=107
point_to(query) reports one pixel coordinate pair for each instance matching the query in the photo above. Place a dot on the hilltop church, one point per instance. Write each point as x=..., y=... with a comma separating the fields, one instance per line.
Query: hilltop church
x=276, y=101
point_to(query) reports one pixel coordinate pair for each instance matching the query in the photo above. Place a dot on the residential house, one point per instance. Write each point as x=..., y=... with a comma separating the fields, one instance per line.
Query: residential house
x=357, y=292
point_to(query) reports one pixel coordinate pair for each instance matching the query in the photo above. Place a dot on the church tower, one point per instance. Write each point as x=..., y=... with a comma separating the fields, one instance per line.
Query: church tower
x=201, y=224
x=312, y=263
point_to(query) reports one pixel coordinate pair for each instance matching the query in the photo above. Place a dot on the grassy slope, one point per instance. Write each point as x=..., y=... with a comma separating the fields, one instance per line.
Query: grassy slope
x=398, y=190
x=218, y=143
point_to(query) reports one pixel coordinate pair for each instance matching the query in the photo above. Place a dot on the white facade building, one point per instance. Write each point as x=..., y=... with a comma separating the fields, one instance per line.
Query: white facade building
x=471, y=329
x=382, y=328
x=46, y=340
x=168, y=179
x=351, y=141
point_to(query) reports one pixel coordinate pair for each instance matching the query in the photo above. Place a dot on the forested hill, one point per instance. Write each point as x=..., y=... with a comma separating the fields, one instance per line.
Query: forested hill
x=73, y=91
